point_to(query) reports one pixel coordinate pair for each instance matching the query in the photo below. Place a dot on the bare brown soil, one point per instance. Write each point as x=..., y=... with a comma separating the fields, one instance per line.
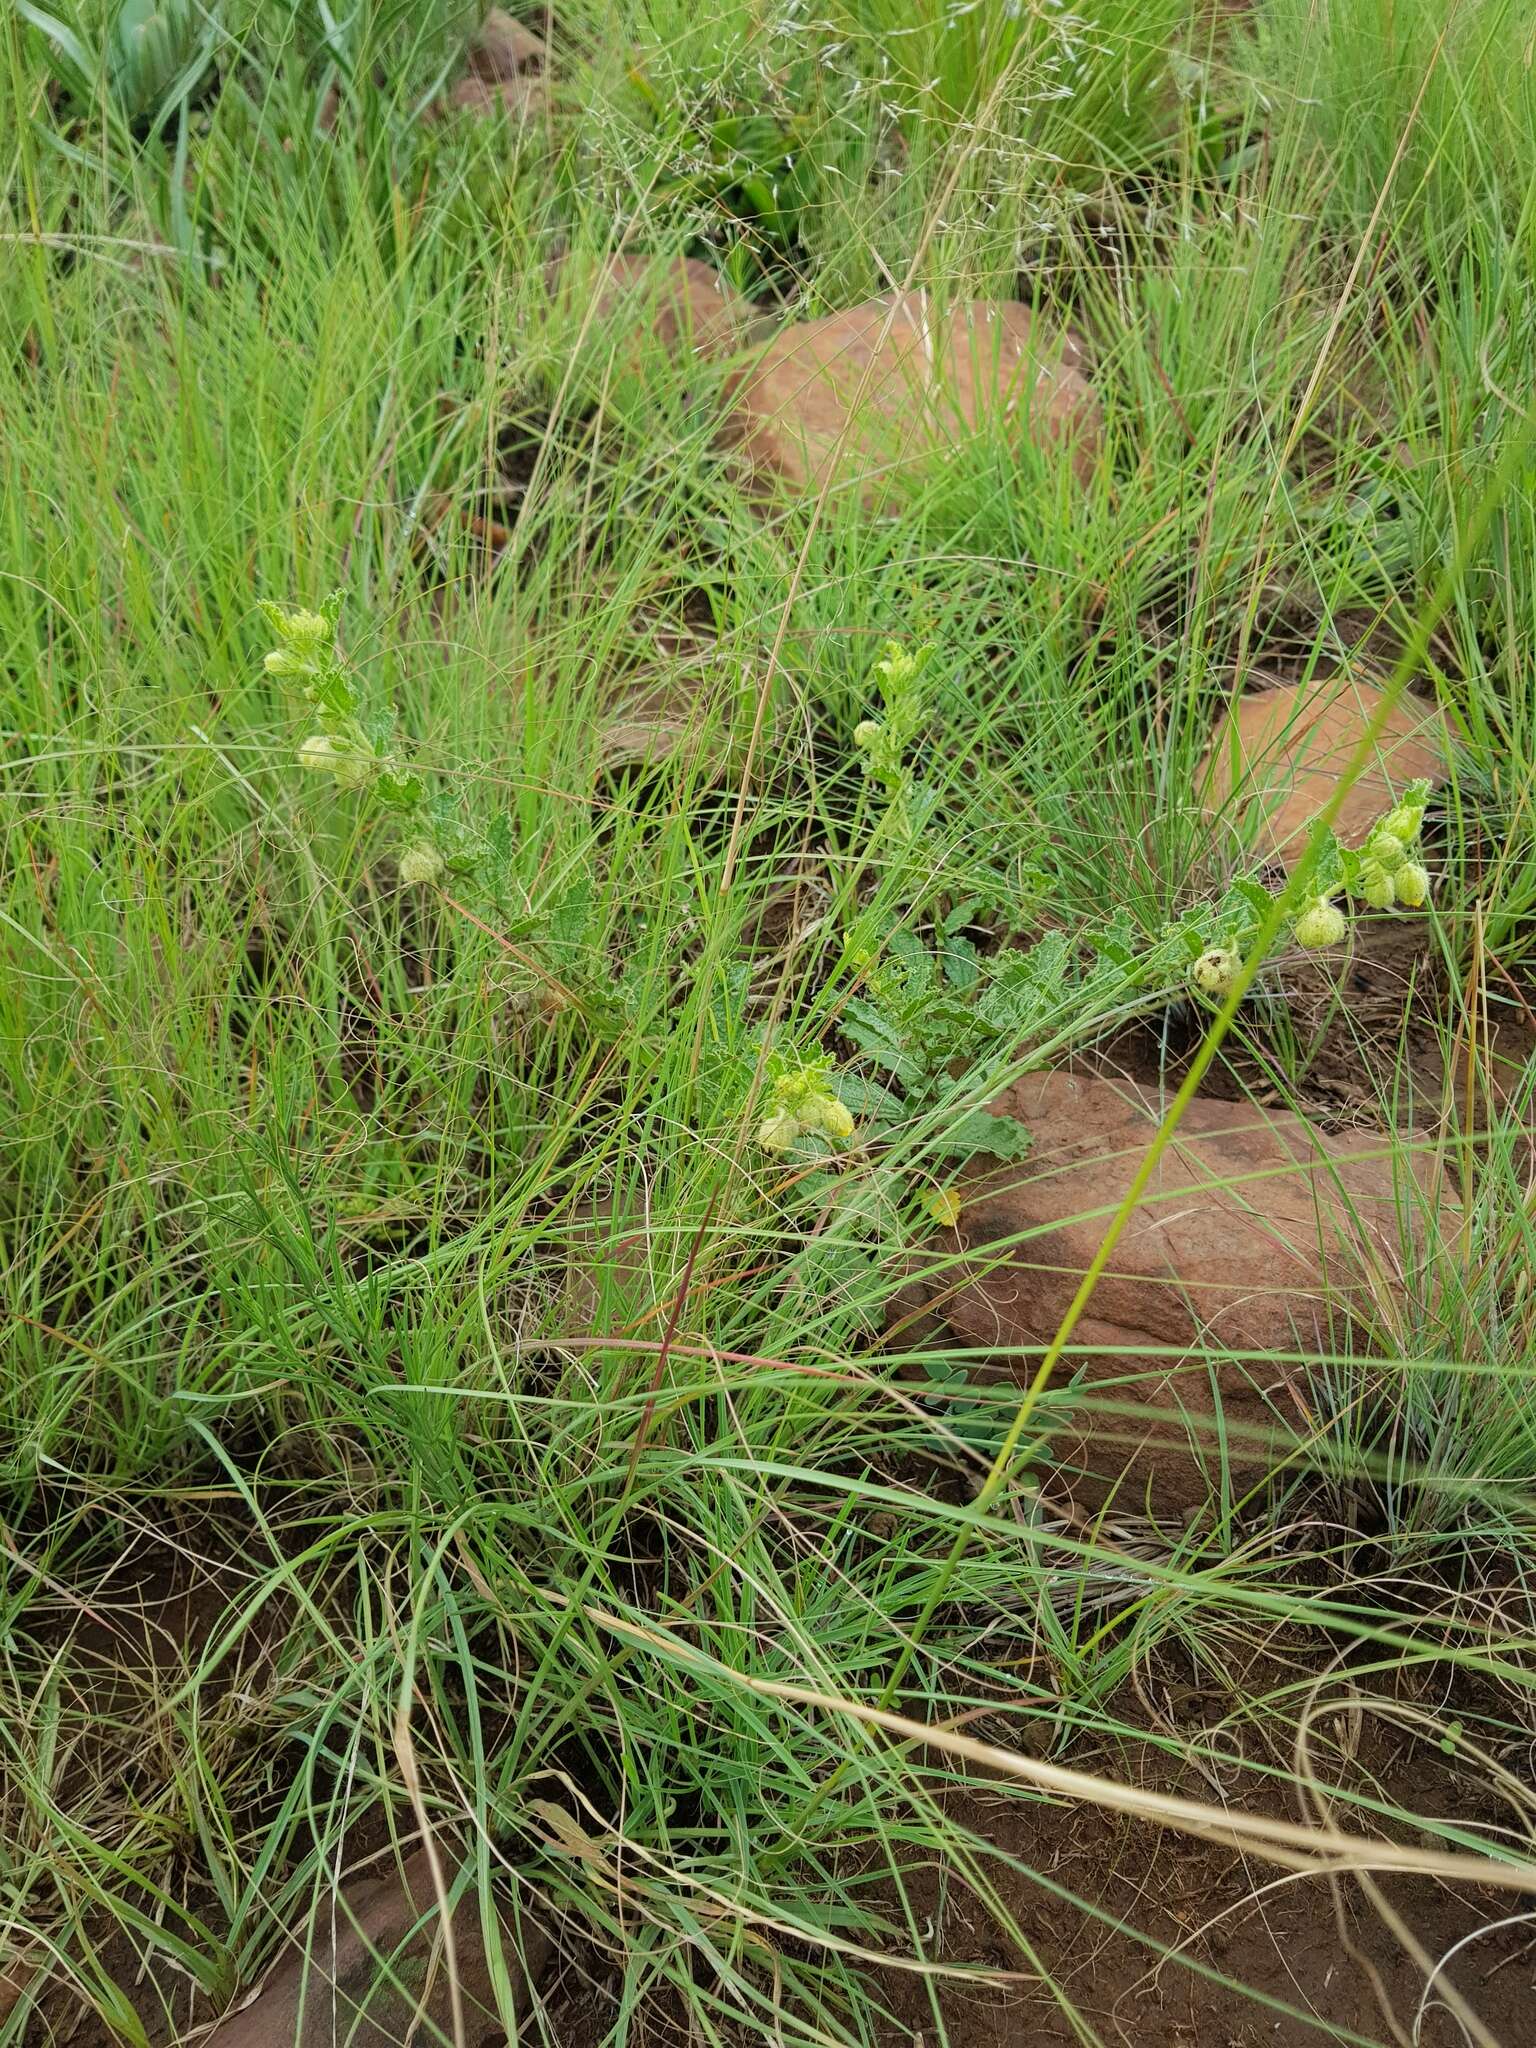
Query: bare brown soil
x=1189, y=1946
x=1135, y=1937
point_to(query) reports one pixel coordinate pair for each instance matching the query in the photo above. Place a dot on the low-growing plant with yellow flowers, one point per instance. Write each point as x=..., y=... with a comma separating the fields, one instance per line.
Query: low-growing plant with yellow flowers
x=927, y=1015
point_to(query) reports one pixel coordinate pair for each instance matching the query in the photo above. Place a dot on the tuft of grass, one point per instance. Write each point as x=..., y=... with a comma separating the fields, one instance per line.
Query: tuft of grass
x=1433, y=106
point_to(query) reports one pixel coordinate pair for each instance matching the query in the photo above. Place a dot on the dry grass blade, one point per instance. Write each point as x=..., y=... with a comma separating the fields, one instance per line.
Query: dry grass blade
x=1318, y=1851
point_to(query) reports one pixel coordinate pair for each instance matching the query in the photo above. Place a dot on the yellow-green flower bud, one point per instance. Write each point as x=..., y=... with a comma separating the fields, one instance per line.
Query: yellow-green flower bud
x=282, y=661
x=1405, y=822
x=833, y=1117
x=422, y=863
x=353, y=771
x=1412, y=881
x=778, y=1132
x=801, y=1102
x=306, y=638
x=1215, y=972
x=322, y=756
x=898, y=666
x=1376, y=885
x=867, y=731
x=1321, y=924
x=1387, y=850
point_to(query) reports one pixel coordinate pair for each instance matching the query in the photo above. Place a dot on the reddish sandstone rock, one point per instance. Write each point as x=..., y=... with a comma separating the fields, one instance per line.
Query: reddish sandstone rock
x=504, y=60
x=1285, y=749
x=691, y=306
x=503, y=47
x=1257, y=1235
x=333, y=1987
x=679, y=301
x=522, y=99
x=865, y=398
x=500, y=58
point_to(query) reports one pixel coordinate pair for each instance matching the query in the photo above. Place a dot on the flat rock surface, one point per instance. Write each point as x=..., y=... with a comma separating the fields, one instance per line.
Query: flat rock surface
x=1257, y=1234
x=863, y=398
x=679, y=301
x=520, y=98
x=374, y=1970
x=503, y=47
x=1285, y=749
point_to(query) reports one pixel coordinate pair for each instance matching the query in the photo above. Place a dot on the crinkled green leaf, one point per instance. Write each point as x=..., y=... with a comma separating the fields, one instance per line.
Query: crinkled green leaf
x=959, y=959
x=978, y=1130
x=867, y=1028
x=868, y=1101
